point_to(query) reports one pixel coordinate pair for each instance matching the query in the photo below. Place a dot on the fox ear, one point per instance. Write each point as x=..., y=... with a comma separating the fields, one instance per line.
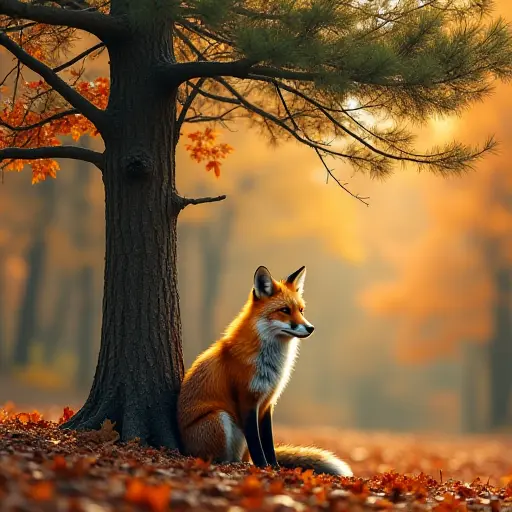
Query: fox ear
x=263, y=283
x=297, y=279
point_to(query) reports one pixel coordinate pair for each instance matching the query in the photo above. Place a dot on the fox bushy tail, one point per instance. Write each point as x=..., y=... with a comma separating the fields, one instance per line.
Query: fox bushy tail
x=309, y=457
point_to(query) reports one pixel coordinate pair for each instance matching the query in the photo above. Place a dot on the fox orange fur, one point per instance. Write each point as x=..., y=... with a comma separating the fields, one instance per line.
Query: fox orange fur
x=227, y=397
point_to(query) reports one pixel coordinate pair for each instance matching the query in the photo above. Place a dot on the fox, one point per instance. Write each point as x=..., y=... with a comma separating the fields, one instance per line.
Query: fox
x=227, y=397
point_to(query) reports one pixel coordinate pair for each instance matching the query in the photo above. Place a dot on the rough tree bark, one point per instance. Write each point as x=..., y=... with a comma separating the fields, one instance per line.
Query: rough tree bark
x=140, y=364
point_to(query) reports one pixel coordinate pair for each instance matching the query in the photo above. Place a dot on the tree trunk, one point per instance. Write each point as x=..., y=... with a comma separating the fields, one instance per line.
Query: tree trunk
x=500, y=353
x=27, y=320
x=3, y=342
x=55, y=332
x=140, y=365
x=474, y=388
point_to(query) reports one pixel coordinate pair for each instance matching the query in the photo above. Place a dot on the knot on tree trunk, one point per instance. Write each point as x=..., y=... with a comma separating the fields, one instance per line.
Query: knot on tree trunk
x=138, y=165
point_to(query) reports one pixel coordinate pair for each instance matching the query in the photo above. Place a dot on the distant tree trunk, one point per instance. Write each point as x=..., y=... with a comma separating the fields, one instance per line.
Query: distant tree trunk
x=140, y=365
x=3, y=341
x=85, y=332
x=36, y=259
x=474, y=387
x=500, y=352
x=213, y=243
x=55, y=332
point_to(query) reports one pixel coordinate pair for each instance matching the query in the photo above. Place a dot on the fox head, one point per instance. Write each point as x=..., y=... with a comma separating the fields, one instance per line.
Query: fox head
x=279, y=305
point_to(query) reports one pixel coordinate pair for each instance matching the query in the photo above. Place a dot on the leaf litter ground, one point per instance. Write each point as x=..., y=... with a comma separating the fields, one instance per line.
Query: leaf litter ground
x=45, y=468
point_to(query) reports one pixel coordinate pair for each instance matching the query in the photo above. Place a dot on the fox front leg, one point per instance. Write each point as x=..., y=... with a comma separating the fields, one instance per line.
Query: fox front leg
x=267, y=438
x=252, y=436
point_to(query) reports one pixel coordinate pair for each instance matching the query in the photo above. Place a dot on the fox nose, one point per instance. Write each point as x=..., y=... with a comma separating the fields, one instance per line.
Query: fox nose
x=310, y=328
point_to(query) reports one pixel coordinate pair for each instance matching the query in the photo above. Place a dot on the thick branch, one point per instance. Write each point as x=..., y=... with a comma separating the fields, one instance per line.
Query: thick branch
x=96, y=23
x=72, y=96
x=71, y=152
x=184, y=71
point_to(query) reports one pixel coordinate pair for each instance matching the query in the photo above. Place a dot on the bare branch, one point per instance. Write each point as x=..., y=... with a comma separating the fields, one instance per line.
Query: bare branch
x=322, y=159
x=71, y=152
x=94, y=114
x=200, y=30
x=81, y=56
x=47, y=120
x=188, y=103
x=183, y=202
x=19, y=28
x=219, y=118
x=282, y=124
x=102, y=26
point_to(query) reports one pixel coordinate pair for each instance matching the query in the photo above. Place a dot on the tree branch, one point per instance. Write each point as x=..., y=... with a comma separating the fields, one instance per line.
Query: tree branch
x=183, y=202
x=81, y=56
x=188, y=103
x=317, y=151
x=19, y=28
x=71, y=152
x=102, y=26
x=282, y=124
x=94, y=114
x=220, y=118
x=184, y=71
x=47, y=120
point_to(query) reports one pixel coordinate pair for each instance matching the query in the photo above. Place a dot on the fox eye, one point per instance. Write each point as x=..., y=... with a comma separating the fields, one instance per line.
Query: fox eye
x=301, y=310
x=286, y=310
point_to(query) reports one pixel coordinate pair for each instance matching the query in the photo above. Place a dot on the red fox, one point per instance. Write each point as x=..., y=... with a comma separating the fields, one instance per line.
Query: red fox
x=227, y=397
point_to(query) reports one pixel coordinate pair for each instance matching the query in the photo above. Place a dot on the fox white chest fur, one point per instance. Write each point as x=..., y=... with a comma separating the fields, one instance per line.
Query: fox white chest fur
x=274, y=362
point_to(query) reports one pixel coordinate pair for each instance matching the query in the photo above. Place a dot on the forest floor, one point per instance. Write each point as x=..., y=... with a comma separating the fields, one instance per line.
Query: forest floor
x=43, y=468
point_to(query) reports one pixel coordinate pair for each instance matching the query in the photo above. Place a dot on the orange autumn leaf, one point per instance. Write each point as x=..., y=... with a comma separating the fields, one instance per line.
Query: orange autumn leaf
x=23, y=417
x=59, y=464
x=276, y=487
x=67, y=414
x=201, y=464
x=35, y=417
x=215, y=166
x=253, y=493
x=204, y=147
x=156, y=497
x=134, y=491
x=41, y=491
